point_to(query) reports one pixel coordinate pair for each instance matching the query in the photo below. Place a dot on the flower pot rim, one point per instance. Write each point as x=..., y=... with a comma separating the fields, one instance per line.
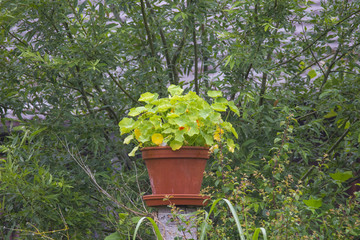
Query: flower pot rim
x=169, y=148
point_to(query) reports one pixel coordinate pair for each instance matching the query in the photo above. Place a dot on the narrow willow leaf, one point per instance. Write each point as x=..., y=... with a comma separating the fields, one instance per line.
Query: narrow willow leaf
x=331, y=114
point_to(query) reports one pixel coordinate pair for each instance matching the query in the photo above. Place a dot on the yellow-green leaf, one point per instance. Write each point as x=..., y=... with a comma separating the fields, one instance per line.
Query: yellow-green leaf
x=136, y=111
x=231, y=145
x=313, y=203
x=233, y=108
x=175, y=145
x=331, y=114
x=128, y=139
x=132, y=153
x=175, y=90
x=214, y=94
x=219, y=107
x=157, y=138
x=148, y=97
x=341, y=176
x=126, y=125
x=347, y=125
x=312, y=73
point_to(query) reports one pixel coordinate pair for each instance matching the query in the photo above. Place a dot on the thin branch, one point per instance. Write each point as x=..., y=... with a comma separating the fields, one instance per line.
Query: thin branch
x=317, y=62
x=317, y=39
x=122, y=89
x=195, y=62
x=148, y=33
x=248, y=72
x=77, y=158
x=172, y=71
x=305, y=116
x=116, y=13
x=327, y=152
x=263, y=88
x=77, y=17
x=335, y=59
x=14, y=36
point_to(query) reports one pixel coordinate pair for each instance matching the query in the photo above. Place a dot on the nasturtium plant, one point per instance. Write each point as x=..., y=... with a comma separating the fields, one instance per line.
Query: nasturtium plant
x=179, y=120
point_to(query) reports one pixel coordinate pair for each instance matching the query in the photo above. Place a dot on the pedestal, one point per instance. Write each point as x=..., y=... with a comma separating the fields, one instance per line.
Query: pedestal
x=179, y=225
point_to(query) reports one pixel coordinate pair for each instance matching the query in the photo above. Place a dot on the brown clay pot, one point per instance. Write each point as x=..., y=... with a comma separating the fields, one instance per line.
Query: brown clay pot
x=177, y=174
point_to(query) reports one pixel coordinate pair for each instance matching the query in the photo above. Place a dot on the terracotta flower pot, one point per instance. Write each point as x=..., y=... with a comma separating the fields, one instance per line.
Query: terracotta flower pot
x=177, y=174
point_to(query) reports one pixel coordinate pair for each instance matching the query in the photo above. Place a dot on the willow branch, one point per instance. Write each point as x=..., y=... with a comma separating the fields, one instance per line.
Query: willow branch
x=148, y=33
x=172, y=73
x=195, y=62
x=317, y=39
x=122, y=89
x=326, y=153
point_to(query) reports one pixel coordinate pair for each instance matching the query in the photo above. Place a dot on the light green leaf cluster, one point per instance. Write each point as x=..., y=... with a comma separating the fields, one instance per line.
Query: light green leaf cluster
x=179, y=120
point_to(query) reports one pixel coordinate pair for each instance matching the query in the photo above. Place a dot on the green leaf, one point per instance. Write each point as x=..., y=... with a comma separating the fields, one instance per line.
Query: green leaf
x=214, y=94
x=231, y=145
x=128, y=139
x=233, y=108
x=313, y=203
x=136, y=111
x=172, y=115
x=82, y=6
x=148, y=97
x=312, y=73
x=204, y=113
x=175, y=90
x=347, y=125
x=219, y=107
x=208, y=139
x=331, y=114
x=38, y=131
x=113, y=236
x=341, y=176
x=175, y=145
x=132, y=153
x=126, y=125
x=164, y=107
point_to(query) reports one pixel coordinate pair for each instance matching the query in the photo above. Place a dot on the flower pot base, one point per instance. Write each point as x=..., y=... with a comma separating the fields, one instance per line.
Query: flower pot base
x=176, y=199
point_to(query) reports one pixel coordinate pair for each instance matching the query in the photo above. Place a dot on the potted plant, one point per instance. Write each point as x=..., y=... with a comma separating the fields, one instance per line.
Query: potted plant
x=175, y=135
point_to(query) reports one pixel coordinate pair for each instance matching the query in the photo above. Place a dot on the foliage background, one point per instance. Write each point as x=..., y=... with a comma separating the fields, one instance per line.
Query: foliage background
x=78, y=67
